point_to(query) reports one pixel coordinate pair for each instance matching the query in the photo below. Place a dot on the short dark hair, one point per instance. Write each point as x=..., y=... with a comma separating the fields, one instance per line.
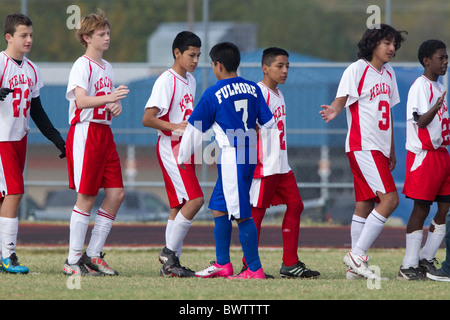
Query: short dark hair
x=226, y=53
x=184, y=40
x=14, y=20
x=372, y=37
x=269, y=55
x=428, y=48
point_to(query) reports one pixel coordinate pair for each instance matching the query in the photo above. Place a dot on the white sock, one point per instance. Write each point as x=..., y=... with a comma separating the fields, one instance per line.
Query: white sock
x=413, y=244
x=356, y=228
x=372, y=229
x=79, y=222
x=9, y=227
x=180, y=228
x=102, y=227
x=434, y=240
x=169, y=227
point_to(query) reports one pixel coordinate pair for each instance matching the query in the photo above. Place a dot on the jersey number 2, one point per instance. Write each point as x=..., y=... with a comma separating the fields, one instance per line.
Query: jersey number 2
x=17, y=96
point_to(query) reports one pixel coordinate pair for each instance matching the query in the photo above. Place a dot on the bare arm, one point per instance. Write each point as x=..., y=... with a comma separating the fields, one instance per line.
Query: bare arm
x=151, y=120
x=424, y=120
x=85, y=101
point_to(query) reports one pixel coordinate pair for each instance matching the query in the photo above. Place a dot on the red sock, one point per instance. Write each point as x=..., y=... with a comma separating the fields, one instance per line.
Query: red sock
x=290, y=231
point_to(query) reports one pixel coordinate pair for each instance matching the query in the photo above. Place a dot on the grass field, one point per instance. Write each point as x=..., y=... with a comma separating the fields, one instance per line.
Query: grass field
x=139, y=278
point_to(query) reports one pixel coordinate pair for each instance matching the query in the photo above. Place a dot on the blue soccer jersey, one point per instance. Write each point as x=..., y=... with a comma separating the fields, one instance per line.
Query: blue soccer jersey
x=232, y=108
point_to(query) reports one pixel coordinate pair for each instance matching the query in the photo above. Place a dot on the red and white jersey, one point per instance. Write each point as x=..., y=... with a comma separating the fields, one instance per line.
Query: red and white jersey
x=97, y=80
x=26, y=81
x=272, y=151
x=174, y=96
x=422, y=96
x=371, y=95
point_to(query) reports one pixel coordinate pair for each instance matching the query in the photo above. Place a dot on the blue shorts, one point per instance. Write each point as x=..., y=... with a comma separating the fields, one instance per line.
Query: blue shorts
x=232, y=191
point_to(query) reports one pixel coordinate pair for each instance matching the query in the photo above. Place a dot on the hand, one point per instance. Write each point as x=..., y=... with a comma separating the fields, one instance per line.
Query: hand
x=4, y=92
x=440, y=101
x=119, y=93
x=115, y=108
x=328, y=113
x=179, y=128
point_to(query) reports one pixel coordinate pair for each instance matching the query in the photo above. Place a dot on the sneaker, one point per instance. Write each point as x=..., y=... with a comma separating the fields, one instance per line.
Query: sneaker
x=216, y=270
x=411, y=273
x=360, y=265
x=438, y=275
x=12, y=265
x=78, y=268
x=99, y=264
x=352, y=275
x=298, y=270
x=427, y=265
x=249, y=274
x=172, y=266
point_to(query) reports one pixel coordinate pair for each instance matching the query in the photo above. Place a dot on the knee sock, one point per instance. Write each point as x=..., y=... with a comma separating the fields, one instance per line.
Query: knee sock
x=222, y=238
x=434, y=240
x=248, y=237
x=179, y=230
x=290, y=229
x=79, y=222
x=372, y=229
x=9, y=228
x=413, y=244
x=356, y=228
x=102, y=227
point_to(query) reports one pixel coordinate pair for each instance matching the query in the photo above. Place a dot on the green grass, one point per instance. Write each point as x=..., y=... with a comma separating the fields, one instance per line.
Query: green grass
x=139, y=278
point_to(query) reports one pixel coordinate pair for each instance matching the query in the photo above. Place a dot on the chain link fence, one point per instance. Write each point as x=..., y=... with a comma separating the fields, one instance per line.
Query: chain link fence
x=320, y=35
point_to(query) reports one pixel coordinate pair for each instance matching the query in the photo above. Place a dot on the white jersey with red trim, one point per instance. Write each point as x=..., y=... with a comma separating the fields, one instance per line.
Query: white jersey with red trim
x=25, y=79
x=272, y=151
x=422, y=96
x=174, y=96
x=97, y=80
x=371, y=95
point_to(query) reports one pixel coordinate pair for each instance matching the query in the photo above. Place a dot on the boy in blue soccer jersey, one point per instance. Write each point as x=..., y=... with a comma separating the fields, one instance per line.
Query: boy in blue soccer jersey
x=233, y=108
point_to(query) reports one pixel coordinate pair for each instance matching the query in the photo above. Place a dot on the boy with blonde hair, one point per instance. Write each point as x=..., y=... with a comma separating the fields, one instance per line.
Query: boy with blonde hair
x=92, y=158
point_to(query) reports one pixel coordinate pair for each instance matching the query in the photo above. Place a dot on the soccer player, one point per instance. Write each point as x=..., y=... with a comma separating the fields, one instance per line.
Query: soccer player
x=274, y=182
x=92, y=158
x=368, y=91
x=20, y=84
x=167, y=110
x=232, y=107
x=427, y=162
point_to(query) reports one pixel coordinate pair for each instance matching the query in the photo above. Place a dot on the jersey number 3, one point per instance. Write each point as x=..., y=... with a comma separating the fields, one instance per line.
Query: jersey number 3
x=385, y=111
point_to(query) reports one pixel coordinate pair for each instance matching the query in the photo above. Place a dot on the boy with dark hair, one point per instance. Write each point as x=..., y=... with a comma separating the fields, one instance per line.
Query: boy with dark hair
x=169, y=106
x=274, y=182
x=368, y=91
x=92, y=158
x=20, y=85
x=427, y=162
x=232, y=108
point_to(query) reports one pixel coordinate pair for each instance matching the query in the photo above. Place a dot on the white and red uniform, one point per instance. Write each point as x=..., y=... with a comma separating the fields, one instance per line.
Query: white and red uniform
x=174, y=96
x=371, y=95
x=273, y=181
x=26, y=81
x=428, y=160
x=92, y=158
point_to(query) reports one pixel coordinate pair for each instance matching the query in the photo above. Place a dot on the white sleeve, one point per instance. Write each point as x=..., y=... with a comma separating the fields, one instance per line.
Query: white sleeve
x=78, y=77
x=348, y=85
x=191, y=142
x=162, y=93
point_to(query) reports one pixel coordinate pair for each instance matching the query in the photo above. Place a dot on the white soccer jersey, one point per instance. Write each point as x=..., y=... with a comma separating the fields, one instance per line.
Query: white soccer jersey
x=371, y=95
x=272, y=151
x=422, y=96
x=174, y=96
x=26, y=81
x=97, y=80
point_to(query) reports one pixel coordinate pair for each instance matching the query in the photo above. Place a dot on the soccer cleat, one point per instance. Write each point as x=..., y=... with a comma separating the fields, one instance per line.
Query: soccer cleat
x=172, y=266
x=99, y=264
x=438, y=275
x=411, y=273
x=245, y=267
x=298, y=270
x=352, y=275
x=216, y=270
x=359, y=264
x=427, y=265
x=249, y=274
x=164, y=255
x=78, y=268
x=12, y=265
